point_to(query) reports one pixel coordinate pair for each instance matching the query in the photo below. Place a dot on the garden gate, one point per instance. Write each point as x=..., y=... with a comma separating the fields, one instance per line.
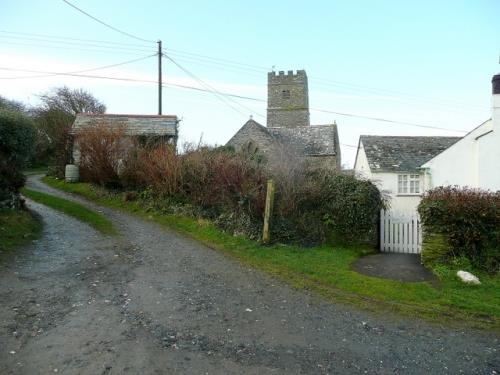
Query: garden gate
x=400, y=232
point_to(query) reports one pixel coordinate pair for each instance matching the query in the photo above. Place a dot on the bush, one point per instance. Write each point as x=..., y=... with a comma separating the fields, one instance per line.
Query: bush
x=52, y=144
x=435, y=249
x=230, y=189
x=103, y=151
x=469, y=219
x=330, y=206
x=16, y=138
x=215, y=180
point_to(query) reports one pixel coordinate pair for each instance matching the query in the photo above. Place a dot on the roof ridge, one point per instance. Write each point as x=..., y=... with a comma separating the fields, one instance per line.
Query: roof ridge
x=122, y=115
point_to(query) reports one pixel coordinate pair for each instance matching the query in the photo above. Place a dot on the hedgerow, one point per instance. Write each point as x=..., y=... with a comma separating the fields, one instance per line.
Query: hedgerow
x=468, y=223
x=16, y=137
x=229, y=188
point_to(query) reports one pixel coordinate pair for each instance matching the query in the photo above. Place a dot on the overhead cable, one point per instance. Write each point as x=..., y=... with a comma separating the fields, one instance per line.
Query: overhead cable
x=106, y=24
x=239, y=97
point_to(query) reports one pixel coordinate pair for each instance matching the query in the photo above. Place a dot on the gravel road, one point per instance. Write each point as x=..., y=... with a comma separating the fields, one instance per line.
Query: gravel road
x=153, y=302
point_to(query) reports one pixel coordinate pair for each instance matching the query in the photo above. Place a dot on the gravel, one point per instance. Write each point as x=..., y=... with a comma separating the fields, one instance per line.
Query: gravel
x=152, y=302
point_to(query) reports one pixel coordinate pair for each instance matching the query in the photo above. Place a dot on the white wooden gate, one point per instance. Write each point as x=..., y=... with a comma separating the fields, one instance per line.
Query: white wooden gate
x=400, y=232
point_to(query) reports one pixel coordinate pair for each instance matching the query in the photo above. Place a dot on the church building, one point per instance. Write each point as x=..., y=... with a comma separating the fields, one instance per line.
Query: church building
x=288, y=126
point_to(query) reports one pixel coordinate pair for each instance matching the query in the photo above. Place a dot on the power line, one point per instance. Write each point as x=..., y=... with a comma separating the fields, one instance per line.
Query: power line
x=79, y=75
x=384, y=120
x=73, y=39
x=85, y=70
x=225, y=64
x=239, y=97
x=210, y=88
x=394, y=94
x=347, y=145
x=73, y=43
x=75, y=48
x=106, y=24
x=217, y=59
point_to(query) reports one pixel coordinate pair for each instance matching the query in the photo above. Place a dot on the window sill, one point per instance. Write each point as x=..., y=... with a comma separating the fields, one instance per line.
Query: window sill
x=409, y=195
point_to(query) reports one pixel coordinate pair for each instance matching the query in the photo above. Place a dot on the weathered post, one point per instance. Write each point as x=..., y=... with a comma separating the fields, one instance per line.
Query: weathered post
x=268, y=210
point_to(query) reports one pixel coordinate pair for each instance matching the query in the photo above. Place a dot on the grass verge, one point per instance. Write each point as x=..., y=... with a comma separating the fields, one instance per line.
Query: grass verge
x=326, y=270
x=35, y=170
x=18, y=228
x=73, y=209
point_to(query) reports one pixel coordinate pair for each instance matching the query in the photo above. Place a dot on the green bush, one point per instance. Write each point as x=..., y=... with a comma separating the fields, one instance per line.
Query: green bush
x=16, y=137
x=435, y=249
x=331, y=207
x=469, y=220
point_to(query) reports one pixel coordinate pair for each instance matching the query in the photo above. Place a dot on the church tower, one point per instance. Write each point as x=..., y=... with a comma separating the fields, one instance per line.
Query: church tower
x=287, y=99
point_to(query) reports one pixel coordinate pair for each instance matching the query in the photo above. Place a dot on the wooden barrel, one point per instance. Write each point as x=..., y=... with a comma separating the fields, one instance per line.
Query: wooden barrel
x=72, y=174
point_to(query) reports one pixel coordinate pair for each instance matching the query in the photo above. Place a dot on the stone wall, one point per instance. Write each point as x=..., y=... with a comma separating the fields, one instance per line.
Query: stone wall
x=326, y=162
x=10, y=201
x=252, y=136
x=290, y=118
x=287, y=99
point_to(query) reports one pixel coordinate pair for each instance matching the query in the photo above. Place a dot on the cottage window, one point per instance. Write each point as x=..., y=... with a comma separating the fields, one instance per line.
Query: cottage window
x=285, y=94
x=408, y=184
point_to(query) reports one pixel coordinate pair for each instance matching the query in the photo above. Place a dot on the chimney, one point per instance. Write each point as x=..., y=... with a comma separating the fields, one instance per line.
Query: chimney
x=495, y=101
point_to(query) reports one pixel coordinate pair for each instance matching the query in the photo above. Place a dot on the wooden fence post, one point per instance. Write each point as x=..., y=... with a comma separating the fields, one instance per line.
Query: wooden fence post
x=268, y=210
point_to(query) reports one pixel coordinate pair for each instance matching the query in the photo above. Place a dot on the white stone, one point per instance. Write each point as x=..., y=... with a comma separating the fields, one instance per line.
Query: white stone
x=468, y=277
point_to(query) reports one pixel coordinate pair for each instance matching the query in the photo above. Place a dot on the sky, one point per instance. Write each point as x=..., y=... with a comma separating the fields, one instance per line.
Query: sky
x=421, y=62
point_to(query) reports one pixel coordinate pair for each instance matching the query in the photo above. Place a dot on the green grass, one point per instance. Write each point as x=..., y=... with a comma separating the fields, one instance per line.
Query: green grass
x=73, y=209
x=17, y=228
x=35, y=170
x=327, y=271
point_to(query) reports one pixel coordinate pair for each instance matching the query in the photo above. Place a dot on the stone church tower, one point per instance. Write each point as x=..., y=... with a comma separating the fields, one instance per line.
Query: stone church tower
x=287, y=99
x=288, y=127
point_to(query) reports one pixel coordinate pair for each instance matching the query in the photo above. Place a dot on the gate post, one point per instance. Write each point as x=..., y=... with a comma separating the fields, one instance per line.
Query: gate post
x=268, y=210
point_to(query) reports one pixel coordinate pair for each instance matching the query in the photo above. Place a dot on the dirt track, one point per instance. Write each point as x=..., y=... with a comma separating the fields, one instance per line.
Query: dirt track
x=153, y=302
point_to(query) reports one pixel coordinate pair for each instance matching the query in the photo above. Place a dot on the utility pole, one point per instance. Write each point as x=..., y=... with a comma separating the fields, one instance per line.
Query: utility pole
x=159, y=76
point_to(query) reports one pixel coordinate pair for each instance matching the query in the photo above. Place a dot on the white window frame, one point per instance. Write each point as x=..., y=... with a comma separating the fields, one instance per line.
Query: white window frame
x=409, y=184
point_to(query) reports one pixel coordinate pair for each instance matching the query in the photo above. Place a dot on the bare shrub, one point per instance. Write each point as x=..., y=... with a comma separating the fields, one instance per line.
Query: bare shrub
x=103, y=149
x=160, y=169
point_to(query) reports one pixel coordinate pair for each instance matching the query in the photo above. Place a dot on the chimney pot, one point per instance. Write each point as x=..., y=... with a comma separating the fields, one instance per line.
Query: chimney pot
x=495, y=82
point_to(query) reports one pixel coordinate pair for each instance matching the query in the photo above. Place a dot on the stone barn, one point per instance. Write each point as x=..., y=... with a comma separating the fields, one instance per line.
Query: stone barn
x=144, y=128
x=288, y=126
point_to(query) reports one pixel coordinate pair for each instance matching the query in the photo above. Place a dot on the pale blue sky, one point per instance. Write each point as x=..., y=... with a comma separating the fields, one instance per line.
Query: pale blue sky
x=426, y=62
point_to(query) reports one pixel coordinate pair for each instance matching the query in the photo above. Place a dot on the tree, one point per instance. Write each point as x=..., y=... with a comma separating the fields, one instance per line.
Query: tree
x=71, y=101
x=12, y=105
x=16, y=138
x=53, y=122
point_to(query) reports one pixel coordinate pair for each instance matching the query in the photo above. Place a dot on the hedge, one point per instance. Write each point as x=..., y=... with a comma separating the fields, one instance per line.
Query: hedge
x=469, y=221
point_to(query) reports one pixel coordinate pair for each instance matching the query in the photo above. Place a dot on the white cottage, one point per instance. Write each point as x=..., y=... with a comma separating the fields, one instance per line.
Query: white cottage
x=393, y=164
x=474, y=161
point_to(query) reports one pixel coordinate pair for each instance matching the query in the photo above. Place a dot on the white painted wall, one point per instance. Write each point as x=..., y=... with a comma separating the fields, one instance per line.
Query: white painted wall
x=387, y=184
x=474, y=161
x=361, y=166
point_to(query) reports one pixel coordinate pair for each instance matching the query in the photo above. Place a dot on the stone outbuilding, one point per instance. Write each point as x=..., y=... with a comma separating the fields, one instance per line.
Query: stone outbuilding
x=157, y=128
x=288, y=126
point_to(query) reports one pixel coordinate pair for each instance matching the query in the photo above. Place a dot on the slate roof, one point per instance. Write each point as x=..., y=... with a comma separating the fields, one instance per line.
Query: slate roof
x=314, y=140
x=402, y=154
x=134, y=124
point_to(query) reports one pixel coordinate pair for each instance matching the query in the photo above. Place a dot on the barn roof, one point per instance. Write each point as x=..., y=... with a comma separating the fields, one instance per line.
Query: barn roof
x=402, y=154
x=133, y=124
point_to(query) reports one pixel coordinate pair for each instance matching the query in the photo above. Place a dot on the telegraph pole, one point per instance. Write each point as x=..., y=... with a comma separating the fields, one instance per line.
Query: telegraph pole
x=159, y=76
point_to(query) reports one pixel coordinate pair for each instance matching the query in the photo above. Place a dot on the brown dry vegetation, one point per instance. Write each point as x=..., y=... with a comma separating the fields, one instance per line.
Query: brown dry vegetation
x=230, y=188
